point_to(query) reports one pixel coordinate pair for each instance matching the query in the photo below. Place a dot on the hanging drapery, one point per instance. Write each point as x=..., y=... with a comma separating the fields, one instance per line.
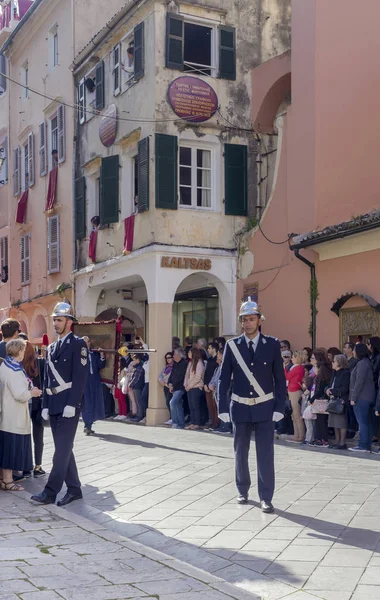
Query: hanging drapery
x=92, y=245
x=21, y=208
x=129, y=228
x=52, y=189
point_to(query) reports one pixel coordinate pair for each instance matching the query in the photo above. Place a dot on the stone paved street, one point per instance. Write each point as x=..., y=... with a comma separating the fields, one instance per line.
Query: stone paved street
x=173, y=491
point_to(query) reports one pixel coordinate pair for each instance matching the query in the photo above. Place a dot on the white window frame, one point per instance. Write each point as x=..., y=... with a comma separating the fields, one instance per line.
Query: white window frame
x=31, y=164
x=17, y=171
x=127, y=79
x=54, y=146
x=213, y=25
x=61, y=134
x=53, y=245
x=4, y=167
x=25, y=244
x=215, y=169
x=55, y=48
x=25, y=79
x=116, y=66
x=82, y=101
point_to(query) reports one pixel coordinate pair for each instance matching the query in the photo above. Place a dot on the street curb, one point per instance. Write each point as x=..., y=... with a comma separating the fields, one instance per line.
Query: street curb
x=214, y=582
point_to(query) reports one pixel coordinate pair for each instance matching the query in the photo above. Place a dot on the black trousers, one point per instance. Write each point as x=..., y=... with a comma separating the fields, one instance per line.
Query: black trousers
x=321, y=429
x=264, y=432
x=38, y=436
x=194, y=397
x=64, y=466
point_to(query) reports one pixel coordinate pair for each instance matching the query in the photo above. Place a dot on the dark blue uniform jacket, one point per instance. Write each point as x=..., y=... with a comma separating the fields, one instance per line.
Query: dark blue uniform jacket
x=267, y=368
x=71, y=363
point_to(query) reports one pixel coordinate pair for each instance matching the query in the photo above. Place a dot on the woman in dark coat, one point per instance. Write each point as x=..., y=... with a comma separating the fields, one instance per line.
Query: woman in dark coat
x=339, y=388
x=93, y=409
x=318, y=392
x=362, y=397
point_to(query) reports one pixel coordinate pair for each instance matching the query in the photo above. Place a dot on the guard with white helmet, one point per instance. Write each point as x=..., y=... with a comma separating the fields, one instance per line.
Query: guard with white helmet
x=66, y=371
x=252, y=367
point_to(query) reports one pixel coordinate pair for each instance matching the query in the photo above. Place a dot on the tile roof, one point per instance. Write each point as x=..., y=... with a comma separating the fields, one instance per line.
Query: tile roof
x=369, y=220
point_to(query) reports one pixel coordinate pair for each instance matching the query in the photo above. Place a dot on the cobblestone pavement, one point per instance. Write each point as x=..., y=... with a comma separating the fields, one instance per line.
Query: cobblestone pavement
x=173, y=491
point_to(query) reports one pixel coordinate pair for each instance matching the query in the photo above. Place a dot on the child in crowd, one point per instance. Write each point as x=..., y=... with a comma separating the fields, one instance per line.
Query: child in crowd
x=307, y=415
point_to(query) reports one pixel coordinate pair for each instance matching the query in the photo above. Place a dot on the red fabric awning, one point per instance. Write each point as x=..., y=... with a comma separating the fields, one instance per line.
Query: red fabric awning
x=129, y=229
x=21, y=208
x=92, y=245
x=52, y=189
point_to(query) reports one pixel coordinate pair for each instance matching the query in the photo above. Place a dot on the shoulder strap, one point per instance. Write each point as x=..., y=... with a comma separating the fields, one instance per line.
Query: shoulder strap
x=252, y=380
x=58, y=377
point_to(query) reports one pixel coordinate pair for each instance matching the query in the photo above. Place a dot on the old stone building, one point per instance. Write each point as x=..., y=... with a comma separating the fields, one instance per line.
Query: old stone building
x=166, y=165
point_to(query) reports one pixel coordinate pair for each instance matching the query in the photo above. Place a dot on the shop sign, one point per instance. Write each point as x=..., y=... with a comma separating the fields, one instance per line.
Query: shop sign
x=180, y=262
x=251, y=290
x=108, y=126
x=192, y=99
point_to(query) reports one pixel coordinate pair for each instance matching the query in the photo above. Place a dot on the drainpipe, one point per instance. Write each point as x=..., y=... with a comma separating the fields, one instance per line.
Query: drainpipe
x=313, y=298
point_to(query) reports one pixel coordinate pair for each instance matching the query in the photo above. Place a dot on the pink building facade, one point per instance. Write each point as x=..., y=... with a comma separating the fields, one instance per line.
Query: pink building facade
x=320, y=105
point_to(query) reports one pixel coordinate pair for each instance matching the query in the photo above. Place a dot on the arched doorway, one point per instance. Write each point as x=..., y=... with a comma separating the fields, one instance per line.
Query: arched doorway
x=38, y=328
x=132, y=324
x=23, y=327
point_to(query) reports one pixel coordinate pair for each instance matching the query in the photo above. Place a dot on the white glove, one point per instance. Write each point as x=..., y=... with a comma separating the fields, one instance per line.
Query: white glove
x=45, y=414
x=69, y=412
x=225, y=417
x=277, y=417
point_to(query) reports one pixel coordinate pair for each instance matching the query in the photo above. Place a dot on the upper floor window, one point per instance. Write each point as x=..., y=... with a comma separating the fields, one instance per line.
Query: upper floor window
x=128, y=60
x=3, y=72
x=57, y=131
x=195, y=177
x=4, y=259
x=200, y=48
x=3, y=161
x=116, y=69
x=53, y=47
x=25, y=79
x=25, y=259
x=28, y=172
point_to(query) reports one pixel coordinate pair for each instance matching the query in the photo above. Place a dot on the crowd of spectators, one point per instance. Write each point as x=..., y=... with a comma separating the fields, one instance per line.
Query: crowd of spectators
x=333, y=396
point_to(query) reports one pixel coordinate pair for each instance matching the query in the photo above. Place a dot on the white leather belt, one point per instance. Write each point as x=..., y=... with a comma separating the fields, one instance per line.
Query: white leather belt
x=252, y=401
x=57, y=390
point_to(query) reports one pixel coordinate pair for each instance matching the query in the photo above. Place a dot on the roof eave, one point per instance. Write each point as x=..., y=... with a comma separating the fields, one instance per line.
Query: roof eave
x=307, y=243
x=20, y=24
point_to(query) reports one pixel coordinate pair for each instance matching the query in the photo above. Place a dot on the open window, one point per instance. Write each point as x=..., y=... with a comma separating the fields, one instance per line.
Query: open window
x=200, y=48
x=3, y=161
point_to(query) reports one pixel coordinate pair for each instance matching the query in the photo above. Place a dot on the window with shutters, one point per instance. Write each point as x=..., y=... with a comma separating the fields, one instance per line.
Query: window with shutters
x=17, y=171
x=116, y=69
x=4, y=257
x=53, y=247
x=52, y=39
x=200, y=47
x=3, y=161
x=26, y=168
x=61, y=134
x=53, y=158
x=25, y=79
x=236, y=179
x=42, y=149
x=80, y=208
x=195, y=177
x=25, y=259
x=31, y=172
x=82, y=102
x=91, y=93
x=3, y=73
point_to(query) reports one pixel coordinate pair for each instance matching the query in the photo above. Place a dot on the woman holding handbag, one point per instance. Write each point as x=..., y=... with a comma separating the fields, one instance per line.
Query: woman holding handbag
x=338, y=393
x=294, y=379
x=323, y=377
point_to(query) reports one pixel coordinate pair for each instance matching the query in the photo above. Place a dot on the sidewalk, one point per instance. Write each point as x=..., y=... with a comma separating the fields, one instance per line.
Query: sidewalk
x=47, y=553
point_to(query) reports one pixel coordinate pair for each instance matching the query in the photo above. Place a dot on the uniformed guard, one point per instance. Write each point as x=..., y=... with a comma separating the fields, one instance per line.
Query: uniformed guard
x=254, y=363
x=65, y=378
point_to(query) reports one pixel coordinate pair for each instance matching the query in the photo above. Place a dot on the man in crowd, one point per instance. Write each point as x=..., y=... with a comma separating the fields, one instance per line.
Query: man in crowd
x=349, y=352
x=285, y=345
x=208, y=374
x=254, y=363
x=176, y=387
x=10, y=329
x=202, y=345
x=65, y=379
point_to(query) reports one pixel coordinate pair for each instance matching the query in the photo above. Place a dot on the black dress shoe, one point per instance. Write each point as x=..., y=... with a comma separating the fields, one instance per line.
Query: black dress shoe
x=67, y=498
x=43, y=498
x=242, y=499
x=266, y=507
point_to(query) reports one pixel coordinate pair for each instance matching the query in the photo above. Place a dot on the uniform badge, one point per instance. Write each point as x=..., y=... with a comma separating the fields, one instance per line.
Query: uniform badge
x=83, y=361
x=264, y=340
x=83, y=352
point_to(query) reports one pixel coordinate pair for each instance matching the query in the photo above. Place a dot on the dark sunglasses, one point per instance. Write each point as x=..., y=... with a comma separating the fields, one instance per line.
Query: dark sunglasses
x=168, y=357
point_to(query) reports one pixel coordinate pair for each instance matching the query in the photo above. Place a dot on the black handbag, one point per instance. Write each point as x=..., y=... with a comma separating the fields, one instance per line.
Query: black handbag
x=336, y=406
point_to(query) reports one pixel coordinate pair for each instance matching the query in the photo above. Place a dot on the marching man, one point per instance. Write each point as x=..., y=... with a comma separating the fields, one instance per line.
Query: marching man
x=254, y=363
x=65, y=379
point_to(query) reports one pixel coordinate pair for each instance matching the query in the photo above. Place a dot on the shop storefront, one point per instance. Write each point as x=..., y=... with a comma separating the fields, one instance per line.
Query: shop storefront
x=196, y=314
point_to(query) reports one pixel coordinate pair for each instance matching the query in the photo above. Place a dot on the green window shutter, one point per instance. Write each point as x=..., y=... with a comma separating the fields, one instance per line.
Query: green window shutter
x=143, y=175
x=174, y=42
x=166, y=171
x=139, y=50
x=99, y=85
x=109, y=190
x=235, y=178
x=227, y=52
x=80, y=208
